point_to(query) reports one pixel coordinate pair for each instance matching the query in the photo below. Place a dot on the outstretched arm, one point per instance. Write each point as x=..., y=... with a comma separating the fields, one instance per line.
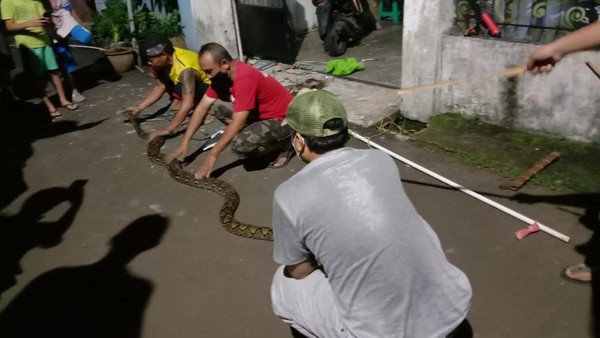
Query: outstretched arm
x=195, y=122
x=187, y=79
x=238, y=121
x=51, y=233
x=157, y=92
x=543, y=59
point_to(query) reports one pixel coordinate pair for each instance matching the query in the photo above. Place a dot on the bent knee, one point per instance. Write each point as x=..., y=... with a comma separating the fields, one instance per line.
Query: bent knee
x=242, y=146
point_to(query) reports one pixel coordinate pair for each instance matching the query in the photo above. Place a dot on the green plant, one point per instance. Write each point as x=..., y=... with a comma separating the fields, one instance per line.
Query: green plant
x=172, y=26
x=112, y=25
x=147, y=22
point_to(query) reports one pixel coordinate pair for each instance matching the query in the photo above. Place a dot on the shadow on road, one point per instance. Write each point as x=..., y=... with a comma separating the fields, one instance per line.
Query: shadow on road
x=21, y=124
x=590, y=218
x=99, y=300
x=26, y=230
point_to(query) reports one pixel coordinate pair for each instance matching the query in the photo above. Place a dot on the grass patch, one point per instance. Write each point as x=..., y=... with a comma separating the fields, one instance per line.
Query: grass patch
x=398, y=124
x=510, y=153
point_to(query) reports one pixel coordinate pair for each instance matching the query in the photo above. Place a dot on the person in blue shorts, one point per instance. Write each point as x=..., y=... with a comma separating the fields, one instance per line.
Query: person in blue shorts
x=68, y=25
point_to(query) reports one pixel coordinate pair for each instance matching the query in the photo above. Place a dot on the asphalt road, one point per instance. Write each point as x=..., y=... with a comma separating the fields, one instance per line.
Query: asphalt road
x=187, y=277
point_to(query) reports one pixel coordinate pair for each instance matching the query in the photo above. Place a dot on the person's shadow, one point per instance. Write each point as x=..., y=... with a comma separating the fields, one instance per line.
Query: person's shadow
x=21, y=125
x=99, y=300
x=24, y=231
x=590, y=249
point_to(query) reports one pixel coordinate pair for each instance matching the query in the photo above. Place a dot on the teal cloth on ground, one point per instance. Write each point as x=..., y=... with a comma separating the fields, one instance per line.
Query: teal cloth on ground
x=345, y=66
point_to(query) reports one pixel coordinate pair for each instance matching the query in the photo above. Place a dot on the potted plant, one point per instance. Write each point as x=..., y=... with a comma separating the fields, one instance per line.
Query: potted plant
x=112, y=28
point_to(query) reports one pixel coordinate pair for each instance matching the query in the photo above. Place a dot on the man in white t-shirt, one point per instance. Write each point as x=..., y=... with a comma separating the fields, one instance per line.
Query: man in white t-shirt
x=357, y=259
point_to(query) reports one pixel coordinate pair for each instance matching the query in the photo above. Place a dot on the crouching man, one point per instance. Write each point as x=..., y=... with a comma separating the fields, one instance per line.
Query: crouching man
x=357, y=259
x=259, y=104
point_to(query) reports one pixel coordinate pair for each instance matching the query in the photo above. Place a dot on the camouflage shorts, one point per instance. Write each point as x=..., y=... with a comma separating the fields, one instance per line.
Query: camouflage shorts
x=258, y=137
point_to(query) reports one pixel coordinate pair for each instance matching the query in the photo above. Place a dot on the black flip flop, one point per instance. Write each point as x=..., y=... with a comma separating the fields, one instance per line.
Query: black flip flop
x=54, y=114
x=70, y=106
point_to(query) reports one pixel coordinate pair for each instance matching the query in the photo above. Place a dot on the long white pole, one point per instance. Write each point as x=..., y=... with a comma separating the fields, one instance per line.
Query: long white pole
x=130, y=16
x=134, y=43
x=471, y=193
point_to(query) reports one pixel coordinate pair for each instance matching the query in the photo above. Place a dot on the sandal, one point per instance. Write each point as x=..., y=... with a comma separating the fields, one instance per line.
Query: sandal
x=77, y=97
x=287, y=155
x=70, y=106
x=55, y=114
x=578, y=273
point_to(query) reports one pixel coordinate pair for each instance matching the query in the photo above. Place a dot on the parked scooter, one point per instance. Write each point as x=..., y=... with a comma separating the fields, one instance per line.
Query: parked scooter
x=342, y=23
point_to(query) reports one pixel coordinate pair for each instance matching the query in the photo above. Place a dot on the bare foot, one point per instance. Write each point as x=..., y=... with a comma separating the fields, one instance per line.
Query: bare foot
x=283, y=159
x=578, y=273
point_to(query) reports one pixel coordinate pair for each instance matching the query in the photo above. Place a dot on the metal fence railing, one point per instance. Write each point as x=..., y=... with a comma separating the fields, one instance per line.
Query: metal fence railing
x=531, y=20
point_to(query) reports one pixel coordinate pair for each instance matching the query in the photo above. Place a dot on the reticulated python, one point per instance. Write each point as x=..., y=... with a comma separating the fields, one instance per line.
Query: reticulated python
x=232, y=198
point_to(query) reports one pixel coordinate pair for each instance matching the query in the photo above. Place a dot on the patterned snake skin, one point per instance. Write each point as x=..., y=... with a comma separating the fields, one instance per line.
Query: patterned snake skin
x=232, y=198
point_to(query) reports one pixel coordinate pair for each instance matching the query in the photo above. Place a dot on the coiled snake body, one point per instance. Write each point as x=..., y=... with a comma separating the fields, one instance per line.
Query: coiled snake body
x=232, y=198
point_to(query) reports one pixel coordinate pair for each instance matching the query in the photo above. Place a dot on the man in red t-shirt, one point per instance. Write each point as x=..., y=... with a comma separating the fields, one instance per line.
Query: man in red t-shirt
x=259, y=106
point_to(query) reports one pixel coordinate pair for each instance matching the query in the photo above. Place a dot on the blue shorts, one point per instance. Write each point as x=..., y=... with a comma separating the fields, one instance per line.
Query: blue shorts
x=81, y=34
x=63, y=52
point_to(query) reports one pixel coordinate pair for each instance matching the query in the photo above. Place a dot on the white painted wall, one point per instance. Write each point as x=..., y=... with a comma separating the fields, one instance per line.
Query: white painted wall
x=424, y=24
x=208, y=21
x=564, y=102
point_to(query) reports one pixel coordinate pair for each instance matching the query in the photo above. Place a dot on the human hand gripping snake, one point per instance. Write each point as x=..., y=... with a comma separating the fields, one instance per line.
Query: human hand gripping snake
x=232, y=198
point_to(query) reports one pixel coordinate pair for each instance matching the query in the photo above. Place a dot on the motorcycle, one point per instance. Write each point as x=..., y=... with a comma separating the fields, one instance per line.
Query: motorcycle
x=342, y=23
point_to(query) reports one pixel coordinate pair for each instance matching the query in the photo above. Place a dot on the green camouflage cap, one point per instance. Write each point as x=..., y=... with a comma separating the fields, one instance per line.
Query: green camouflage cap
x=309, y=110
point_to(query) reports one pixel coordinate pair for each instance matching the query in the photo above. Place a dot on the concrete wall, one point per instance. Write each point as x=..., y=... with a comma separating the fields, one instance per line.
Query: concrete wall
x=424, y=24
x=565, y=102
x=208, y=21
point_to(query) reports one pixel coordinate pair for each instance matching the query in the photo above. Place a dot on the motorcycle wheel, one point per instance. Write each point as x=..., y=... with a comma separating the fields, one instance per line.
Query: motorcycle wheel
x=333, y=44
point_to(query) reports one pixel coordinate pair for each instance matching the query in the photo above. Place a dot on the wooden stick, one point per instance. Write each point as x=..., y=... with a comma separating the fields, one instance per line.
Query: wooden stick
x=593, y=68
x=471, y=193
x=526, y=176
x=507, y=73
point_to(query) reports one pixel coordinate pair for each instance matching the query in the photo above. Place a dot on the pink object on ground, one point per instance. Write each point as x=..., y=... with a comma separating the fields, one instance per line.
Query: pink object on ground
x=533, y=228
